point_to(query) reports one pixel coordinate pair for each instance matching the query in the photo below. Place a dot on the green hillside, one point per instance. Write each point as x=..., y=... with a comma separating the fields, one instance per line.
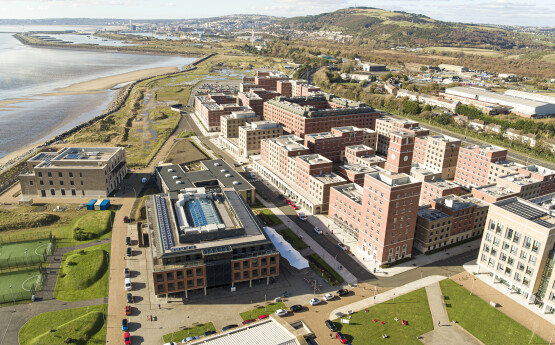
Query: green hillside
x=414, y=30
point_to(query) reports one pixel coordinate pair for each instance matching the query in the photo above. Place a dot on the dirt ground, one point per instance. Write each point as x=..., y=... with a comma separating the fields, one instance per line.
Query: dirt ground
x=184, y=152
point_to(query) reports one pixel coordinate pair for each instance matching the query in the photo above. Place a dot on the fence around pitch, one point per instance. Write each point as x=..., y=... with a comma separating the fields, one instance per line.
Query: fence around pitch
x=22, y=262
x=25, y=236
x=25, y=295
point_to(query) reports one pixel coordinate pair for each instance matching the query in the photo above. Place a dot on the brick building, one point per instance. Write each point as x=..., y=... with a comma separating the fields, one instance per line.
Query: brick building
x=210, y=108
x=386, y=125
x=381, y=215
x=449, y=220
x=74, y=172
x=437, y=188
x=255, y=99
x=332, y=144
x=319, y=113
x=251, y=134
x=437, y=153
x=230, y=123
x=474, y=163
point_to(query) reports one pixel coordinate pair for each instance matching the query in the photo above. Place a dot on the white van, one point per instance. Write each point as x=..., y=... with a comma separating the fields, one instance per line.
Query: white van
x=128, y=284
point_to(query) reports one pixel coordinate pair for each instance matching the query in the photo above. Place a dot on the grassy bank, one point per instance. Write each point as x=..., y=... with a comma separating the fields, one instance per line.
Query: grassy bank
x=329, y=274
x=256, y=312
x=197, y=330
x=84, y=274
x=80, y=326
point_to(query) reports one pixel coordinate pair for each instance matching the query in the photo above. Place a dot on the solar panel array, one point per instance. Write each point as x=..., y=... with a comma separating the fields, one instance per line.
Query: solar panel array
x=528, y=212
x=164, y=223
x=178, y=249
x=73, y=156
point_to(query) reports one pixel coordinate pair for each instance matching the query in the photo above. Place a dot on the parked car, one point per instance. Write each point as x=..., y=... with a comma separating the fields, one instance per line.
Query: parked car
x=126, y=272
x=328, y=296
x=171, y=343
x=205, y=334
x=126, y=219
x=124, y=325
x=128, y=240
x=341, y=337
x=342, y=292
x=127, y=310
x=295, y=308
x=340, y=245
x=236, y=165
x=126, y=338
x=129, y=252
x=281, y=312
x=247, y=321
x=228, y=327
x=317, y=230
x=331, y=325
x=293, y=206
x=314, y=301
x=288, y=201
x=262, y=317
x=129, y=297
x=188, y=339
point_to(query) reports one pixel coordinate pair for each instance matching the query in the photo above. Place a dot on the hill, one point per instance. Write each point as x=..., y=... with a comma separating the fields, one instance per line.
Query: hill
x=393, y=28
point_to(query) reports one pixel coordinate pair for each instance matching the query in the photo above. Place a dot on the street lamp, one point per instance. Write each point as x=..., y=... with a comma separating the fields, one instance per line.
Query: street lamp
x=472, y=288
x=11, y=291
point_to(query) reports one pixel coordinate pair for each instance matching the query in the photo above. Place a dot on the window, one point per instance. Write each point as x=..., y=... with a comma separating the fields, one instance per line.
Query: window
x=179, y=275
x=60, y=174
x=527, y=242
x=523, y=255
x=199, y=272
x=496, y=241
x=246, y=274
x=532, y=260
x=160, y=278
x=190, y=283
x=516, y=238
x=200, y=282
x=499, y=229
x=529, y=270
x=236, y=266
x=180, y=286
x=169, y=276
x=246, y=264
x=161, y=288
x=520, y=266
x=189, y=273
x=237, y=276
x=509, y=233
x=171, y=287
x=536, y=247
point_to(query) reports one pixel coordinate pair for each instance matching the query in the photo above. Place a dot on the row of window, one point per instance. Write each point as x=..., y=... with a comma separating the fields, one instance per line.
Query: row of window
x=181, y=285
x=168, y=276
x=60, y=174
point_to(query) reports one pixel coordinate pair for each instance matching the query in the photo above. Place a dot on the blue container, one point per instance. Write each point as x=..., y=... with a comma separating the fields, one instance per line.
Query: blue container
x=90, y=205
x=105, y=204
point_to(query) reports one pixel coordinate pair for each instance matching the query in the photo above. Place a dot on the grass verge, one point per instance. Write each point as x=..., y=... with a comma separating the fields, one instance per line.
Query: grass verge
x=292, y=238
x=72, y=326
x=412, y=307
x=256, y=312
x=483, y=321
x=329, y=274
x=197, y=330
x=84, y=274
x=269, y=217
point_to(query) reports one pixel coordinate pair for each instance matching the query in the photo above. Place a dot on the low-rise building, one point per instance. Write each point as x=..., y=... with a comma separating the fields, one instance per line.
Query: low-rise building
x=255, y=99
x=437, y=188
x=230, y=123
x=449, y=220
x=74, y=172
x=355, y=172
x=493, y=193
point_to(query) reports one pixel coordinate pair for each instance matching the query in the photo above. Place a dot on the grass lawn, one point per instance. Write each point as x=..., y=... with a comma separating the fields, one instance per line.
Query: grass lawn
x=21, y=282
x=292, y=238
x=483, y=321
x=197, y=330
x=94, y=224
x=269, y=217
x=87, y=278
x=412, y=307
x=83, y=325
x=256, y=312
x=318, y=264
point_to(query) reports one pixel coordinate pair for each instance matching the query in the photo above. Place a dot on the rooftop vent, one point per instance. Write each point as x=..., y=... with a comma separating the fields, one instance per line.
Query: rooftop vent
x=217, y=164
x=223, y=171
x=179, y=182
x=236, y=182
x=228, y=175
x=171, y=170
x=175, y=177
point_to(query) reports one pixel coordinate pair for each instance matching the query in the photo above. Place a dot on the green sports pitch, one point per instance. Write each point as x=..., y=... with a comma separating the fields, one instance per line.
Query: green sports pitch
x=23, y=253
x=21, y=282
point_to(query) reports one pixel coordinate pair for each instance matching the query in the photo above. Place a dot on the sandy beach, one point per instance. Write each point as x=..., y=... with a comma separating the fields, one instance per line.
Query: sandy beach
x=111, y=81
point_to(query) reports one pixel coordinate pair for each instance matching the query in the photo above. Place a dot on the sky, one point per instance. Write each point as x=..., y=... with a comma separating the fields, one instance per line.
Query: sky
x=507, y=12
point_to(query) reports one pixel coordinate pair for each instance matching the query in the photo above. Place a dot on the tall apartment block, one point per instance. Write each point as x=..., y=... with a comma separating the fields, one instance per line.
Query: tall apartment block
x=255, y=99
x=449, y=220
x=210, y=108
x=474, y=163
x=517, y=249
x=302, y=88
x=332, y=144
x=230, y=123
x=251, y=134
x=319, y=113
x=74, y=172
x=438, y=153
x=305, y=178
x=381, y=215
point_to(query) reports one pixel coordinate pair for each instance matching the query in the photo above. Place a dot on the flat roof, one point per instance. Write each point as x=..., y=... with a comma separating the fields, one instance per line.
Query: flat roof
x=431, y=214
x=456, y=202
x=76, y=156
x=442, y=184
x=393, y=179
x=495, y=190
x=472, y=92
x=527, y=210
x=314, y=159
x=268, y=332
x=351, y=190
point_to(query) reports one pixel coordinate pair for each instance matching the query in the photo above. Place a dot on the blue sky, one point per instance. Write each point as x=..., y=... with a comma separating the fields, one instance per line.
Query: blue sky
x=519, y=12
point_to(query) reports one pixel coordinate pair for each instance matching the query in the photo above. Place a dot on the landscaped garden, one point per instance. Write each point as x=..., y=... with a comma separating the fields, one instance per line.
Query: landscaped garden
x=80, y=326
x=197, y=330
x=483, y=321
x=368, y=327
x=84, y=274
x=295, y=241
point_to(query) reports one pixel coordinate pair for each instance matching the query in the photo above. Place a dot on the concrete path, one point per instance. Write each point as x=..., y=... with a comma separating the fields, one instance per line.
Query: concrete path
x=385, y=296
x=444, y=331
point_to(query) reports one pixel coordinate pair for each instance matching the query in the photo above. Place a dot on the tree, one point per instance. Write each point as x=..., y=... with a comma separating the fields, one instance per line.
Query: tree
x=386, y=76
x=411, y=107
x=424, y=68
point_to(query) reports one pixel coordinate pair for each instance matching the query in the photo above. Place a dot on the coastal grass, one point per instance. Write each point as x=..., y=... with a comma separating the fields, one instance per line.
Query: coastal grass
x=84, y=274
x=292, y=238
x=64, y=228
x=483, y=321
x=262, y=310
x=78, y=326
x=412, y=307
x=329, y=274
x=197, y=330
